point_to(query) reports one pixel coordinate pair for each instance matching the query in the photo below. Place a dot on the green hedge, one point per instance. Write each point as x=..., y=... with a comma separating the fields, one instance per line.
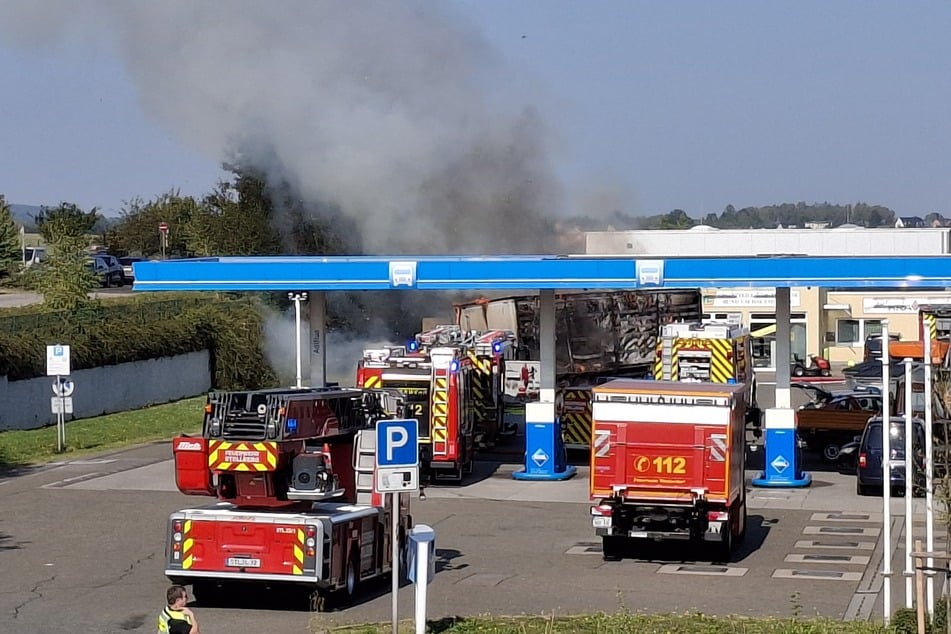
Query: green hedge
x=121, y=330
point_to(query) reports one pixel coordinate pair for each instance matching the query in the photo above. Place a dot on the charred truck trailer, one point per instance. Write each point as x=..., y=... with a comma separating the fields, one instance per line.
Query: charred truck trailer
x=668, y=463
x=597, y=335
x=292, y=472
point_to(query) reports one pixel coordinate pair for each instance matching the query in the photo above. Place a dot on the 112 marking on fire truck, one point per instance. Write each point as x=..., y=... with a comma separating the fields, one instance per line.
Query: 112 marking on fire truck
x=397, y=456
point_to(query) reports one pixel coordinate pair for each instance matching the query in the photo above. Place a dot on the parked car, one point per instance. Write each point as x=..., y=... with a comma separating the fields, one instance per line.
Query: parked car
x=869, y=469
x=33, y=256
x=108, y=274
x=115, y=269
x=128, y=274
x=873, y=346
x=832, y=419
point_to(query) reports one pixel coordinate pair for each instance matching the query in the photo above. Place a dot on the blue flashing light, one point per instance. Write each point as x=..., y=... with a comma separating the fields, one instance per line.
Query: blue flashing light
x=731, y=381
x=497, y=347
x=291, y=425
x=454, y=366
x=412, y=346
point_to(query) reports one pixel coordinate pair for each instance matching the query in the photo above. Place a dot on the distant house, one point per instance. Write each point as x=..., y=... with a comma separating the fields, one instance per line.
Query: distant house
x=910, y=222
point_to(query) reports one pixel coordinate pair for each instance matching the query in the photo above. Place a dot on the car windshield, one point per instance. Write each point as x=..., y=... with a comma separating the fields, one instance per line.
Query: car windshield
x=875, y=437
x=28, y=254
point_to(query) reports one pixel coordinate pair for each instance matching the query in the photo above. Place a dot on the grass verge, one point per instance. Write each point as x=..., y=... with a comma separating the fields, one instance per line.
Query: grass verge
x=621, y=622
x=112, y=431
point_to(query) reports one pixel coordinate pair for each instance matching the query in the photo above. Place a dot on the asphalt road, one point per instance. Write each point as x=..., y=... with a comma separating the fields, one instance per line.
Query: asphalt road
x=81, y=550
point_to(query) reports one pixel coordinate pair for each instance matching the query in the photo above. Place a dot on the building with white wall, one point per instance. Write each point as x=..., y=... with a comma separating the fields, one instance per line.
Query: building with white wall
x=826, y=321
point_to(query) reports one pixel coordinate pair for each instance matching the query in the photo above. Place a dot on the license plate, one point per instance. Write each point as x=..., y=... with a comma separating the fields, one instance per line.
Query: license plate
x=641, y=534
x=601, y=522
x=243, y=562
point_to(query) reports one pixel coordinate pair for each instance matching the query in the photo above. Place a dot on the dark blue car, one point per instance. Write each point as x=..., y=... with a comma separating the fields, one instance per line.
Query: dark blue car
x=869, y=463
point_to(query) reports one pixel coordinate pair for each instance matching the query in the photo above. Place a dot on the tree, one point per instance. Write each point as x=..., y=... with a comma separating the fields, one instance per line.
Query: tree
x=10, y=251
x=676, y=219
x=67, y=279
x=137, y=232
x=65, y=220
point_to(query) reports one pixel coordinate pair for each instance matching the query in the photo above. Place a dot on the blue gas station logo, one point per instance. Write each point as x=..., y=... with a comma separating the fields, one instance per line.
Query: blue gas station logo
x=403, y=274
x=650, y=272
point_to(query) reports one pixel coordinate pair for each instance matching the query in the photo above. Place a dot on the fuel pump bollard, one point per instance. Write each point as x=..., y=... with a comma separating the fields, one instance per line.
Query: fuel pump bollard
x=421, y=567
x=545, y=454
x=782, y=454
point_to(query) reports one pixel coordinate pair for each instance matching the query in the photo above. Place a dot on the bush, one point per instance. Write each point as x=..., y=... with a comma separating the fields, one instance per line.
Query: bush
x=140, y=328
x=905, y=621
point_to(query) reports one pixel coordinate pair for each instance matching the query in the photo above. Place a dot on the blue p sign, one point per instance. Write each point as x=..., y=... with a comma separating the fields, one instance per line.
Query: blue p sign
x=397, y=443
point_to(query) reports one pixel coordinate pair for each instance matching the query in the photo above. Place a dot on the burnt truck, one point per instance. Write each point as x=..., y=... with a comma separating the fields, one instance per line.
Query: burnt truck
x=598, y=334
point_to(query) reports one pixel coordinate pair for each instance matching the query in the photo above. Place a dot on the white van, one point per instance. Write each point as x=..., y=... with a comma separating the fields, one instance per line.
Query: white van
x=33, y=255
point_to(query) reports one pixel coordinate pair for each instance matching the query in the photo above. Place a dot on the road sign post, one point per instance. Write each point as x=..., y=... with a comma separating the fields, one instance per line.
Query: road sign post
x=163, y=236
x=57, y=364
x=397, y=471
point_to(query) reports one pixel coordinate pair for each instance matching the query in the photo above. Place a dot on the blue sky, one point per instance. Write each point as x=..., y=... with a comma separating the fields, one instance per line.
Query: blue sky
x=653, y=105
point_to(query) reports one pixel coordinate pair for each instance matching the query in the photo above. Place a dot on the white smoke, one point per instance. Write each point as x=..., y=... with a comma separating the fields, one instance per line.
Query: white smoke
x=398, y=113
x=343, y=350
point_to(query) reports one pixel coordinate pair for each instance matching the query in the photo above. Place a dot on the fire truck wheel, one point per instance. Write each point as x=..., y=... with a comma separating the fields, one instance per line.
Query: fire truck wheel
x=724, y=549
x=404, y=561
x=745, y=515
x=352, y=581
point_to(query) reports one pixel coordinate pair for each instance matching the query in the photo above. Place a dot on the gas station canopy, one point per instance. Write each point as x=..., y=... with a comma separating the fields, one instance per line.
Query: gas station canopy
x=275, y=273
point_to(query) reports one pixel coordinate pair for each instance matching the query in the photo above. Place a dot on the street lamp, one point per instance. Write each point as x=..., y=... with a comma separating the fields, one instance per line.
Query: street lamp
x=297, y=298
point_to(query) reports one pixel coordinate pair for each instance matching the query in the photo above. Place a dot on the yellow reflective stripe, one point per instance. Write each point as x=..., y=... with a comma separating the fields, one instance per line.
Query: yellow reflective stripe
x=372, y=381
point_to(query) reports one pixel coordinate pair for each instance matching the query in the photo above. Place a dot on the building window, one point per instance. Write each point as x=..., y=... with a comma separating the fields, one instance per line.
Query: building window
x=852, y=332
x=731, y=318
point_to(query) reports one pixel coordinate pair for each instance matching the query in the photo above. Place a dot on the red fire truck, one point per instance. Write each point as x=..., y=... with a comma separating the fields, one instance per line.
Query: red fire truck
x=452, y=383
x=667, y=463
x=292, y=471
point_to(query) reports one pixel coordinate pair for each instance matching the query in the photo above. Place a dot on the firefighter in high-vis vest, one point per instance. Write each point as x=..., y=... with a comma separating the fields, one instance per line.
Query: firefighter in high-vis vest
x=176, y=617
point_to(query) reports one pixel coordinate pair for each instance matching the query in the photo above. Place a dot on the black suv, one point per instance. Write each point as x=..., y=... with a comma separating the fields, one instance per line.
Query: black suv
x=869, y=464
x=873, y=346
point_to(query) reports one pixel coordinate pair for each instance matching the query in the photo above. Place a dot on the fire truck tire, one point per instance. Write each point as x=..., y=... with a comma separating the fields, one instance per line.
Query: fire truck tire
x=403, y=560
x=612, y=547
x=745, y=515
x=724, y=549
x=352, y=579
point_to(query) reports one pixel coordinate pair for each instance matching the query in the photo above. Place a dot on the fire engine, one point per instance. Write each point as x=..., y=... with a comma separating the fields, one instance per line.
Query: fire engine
x=452, y=382
x=292, y=471
x=714, y=352
x=667, y=463
x=686, y=351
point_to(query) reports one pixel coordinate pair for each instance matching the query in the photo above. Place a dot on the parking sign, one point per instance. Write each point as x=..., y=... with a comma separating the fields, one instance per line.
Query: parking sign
x=397, y=443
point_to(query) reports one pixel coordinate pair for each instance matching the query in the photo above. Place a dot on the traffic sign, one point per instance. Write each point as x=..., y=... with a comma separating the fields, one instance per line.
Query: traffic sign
x=63, y=386
x=61, y=405
x=397, y=443
x=163, y=227
x=57, y=360
x=397, y=479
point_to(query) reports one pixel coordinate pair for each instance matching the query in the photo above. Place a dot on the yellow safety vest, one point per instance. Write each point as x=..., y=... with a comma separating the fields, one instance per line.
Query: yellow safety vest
x=166, y=616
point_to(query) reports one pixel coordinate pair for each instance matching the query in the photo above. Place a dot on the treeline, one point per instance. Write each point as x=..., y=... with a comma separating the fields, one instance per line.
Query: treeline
x=765, y=217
